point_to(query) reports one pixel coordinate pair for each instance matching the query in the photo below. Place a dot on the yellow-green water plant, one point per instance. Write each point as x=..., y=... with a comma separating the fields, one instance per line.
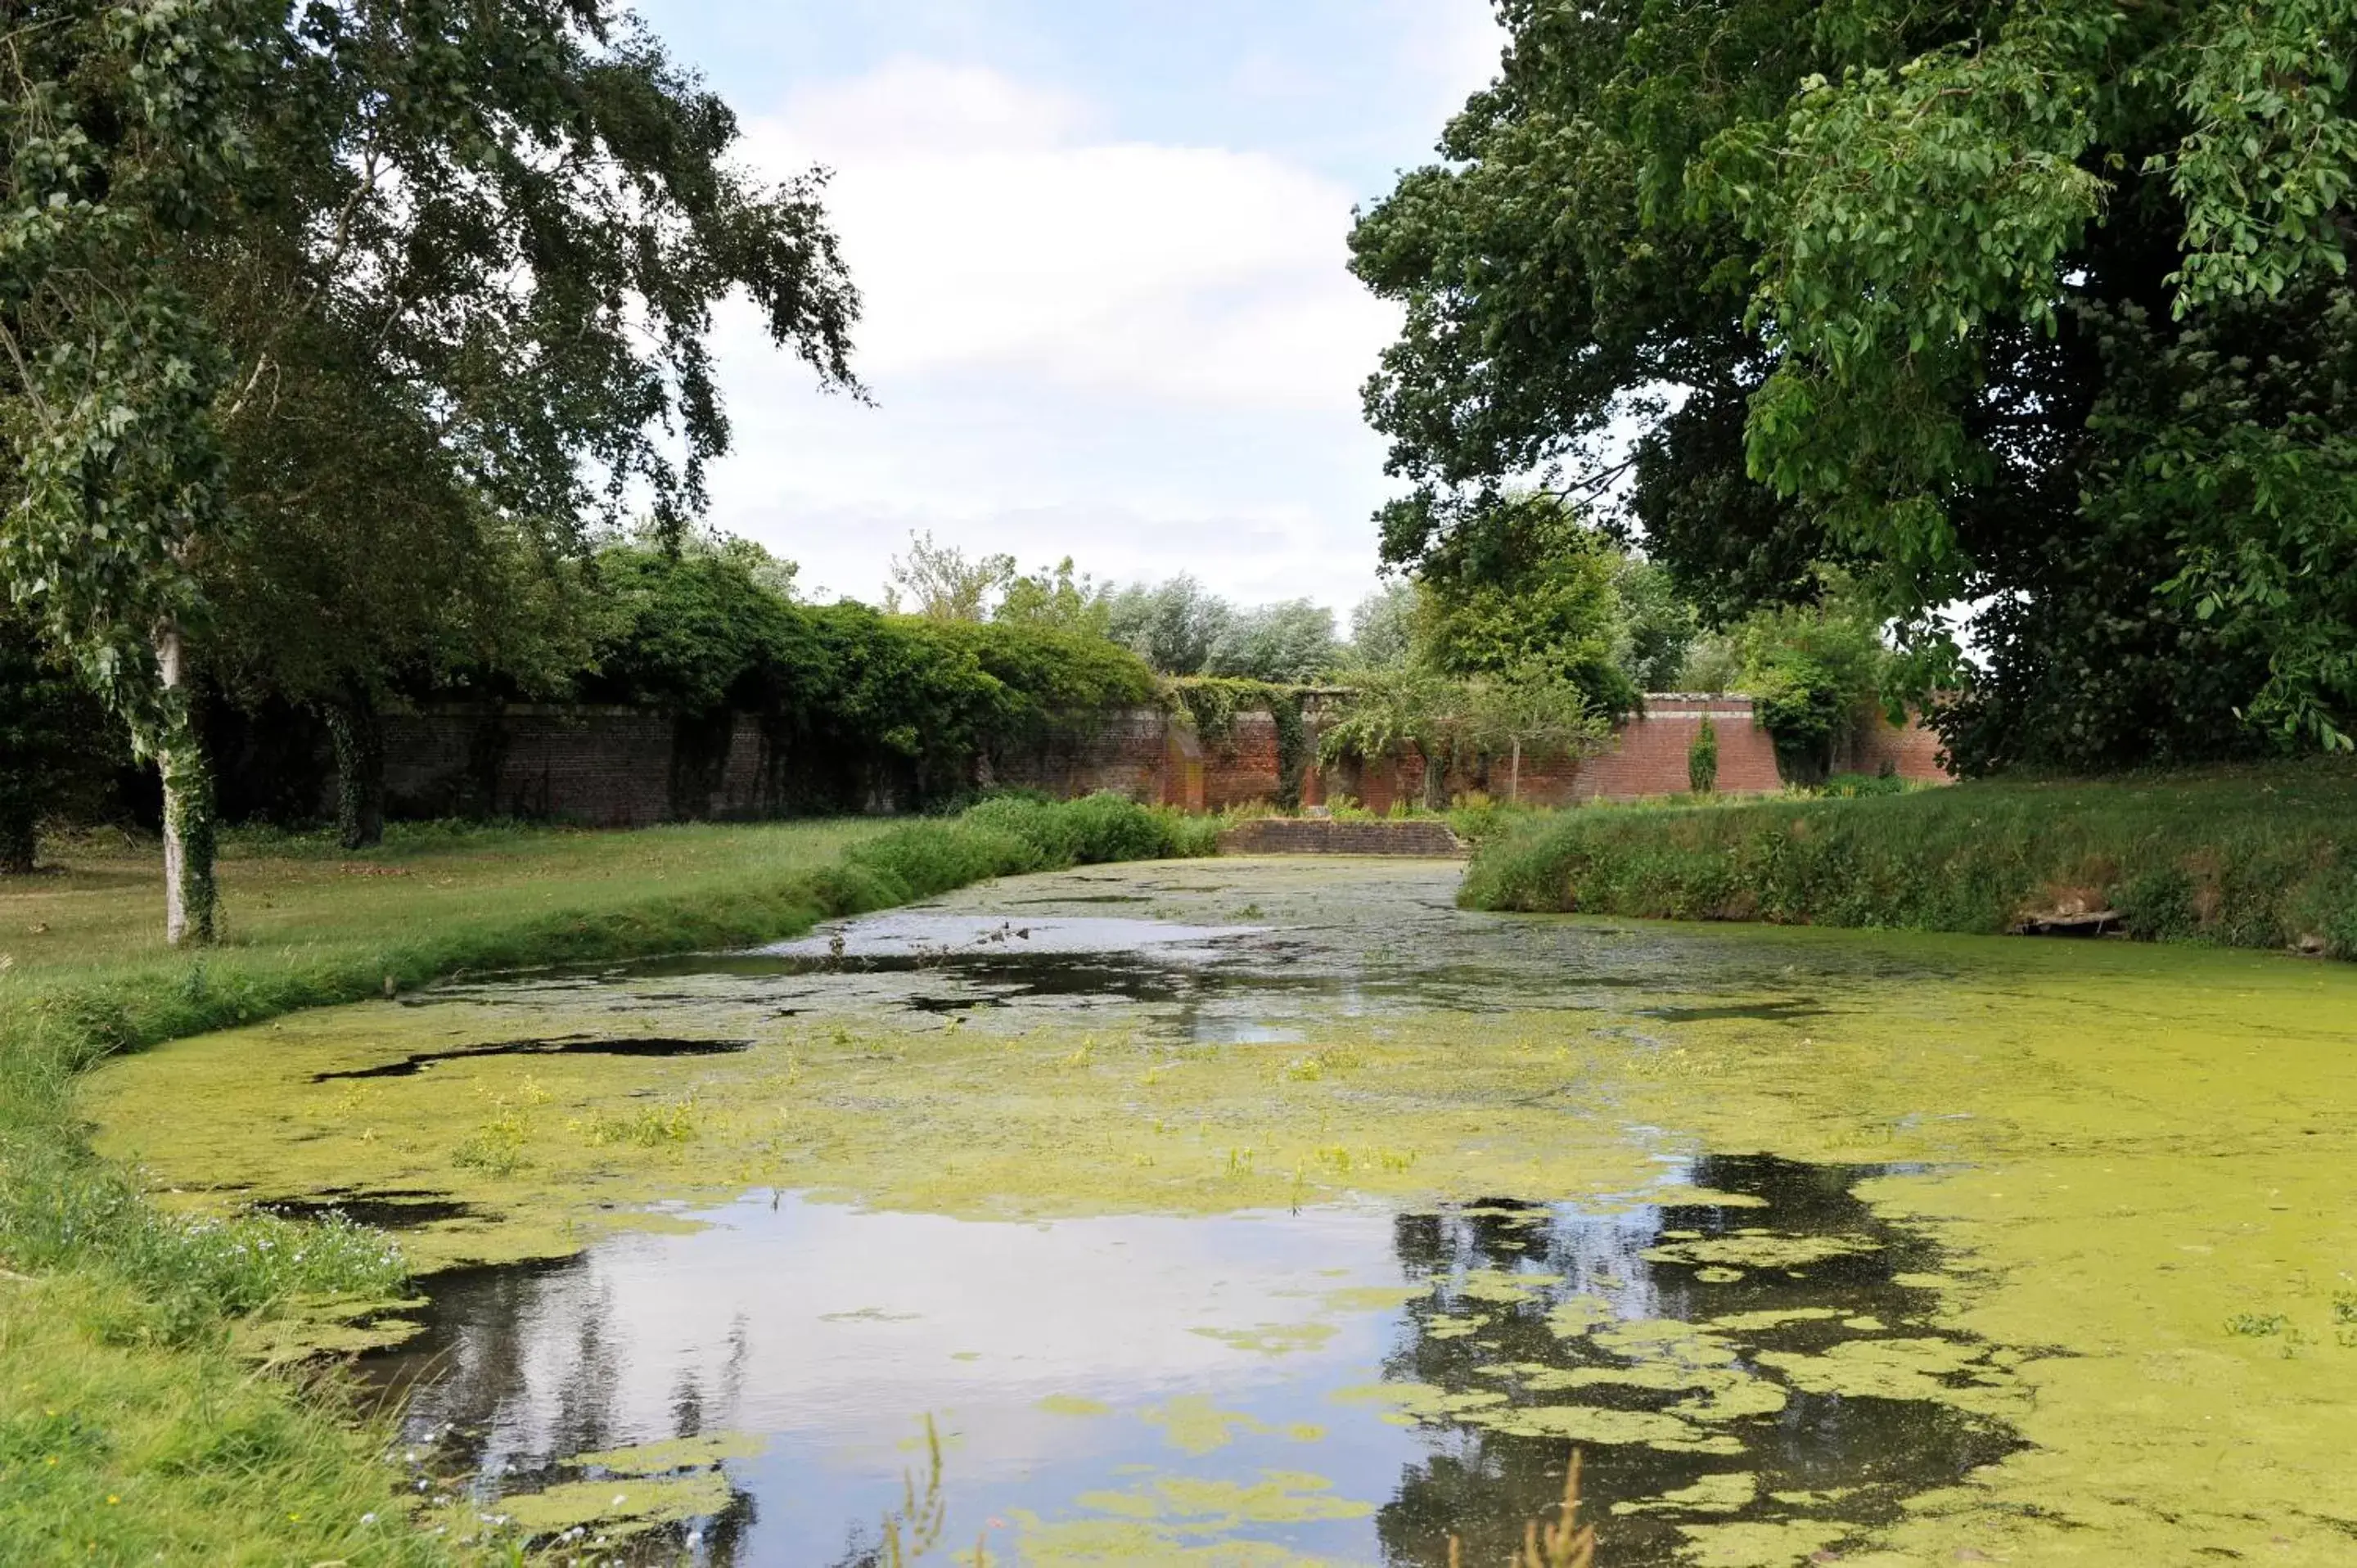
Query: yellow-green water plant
x=161, y=1308
x=2121, y=1152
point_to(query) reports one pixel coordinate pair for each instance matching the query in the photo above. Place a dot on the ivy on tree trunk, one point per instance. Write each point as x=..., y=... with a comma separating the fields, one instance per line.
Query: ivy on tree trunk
x=358, y=733
x=192, y=896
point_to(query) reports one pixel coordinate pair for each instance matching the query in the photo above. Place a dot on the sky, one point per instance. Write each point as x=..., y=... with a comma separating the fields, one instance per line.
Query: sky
x=1102, y=248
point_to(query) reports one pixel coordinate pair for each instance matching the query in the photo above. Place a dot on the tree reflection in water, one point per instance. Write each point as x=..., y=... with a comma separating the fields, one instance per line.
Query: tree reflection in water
x=1482, y=1485
x=1734, y=1340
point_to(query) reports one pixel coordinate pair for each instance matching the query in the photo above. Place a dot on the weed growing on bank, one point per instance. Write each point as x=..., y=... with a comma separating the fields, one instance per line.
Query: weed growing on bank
x=131, y=1429
x=2242, y=857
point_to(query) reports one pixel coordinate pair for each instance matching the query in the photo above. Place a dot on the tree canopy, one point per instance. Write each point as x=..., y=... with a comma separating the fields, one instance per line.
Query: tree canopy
x=2044, y=308
x=1535, y=589
x=703, y=628
x=326, y=324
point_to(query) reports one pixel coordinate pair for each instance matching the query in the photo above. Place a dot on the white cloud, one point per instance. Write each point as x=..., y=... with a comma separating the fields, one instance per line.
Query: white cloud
x=1459, y=44
x=985, y=231
x=920, y=106
x=1145, y=356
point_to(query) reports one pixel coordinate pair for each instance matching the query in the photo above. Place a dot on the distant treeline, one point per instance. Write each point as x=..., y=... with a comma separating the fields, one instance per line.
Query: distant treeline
x=699, y=631
x=968, y=660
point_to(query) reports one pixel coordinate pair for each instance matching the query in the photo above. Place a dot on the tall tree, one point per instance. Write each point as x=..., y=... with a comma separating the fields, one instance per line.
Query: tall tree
x=941, y=582
x=1532, y=586
x=503, y=228
x=2031, y=303
x=1170, y=625
x=1291, y=642
x=1538, y=711
x=124, y=132
x=1060, y=598
x=1383, y=627
x=1390, y=712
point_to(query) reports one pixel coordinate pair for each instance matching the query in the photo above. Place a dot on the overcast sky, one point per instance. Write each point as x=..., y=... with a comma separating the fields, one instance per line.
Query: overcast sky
x=1102, y=248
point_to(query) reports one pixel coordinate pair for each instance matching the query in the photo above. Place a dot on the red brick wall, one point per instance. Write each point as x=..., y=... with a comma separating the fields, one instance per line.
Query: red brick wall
x=1241, y=768
x=1648, y=759
x=1913, y=752
x=630, y=766
x=1139, y=753
x=601, y=766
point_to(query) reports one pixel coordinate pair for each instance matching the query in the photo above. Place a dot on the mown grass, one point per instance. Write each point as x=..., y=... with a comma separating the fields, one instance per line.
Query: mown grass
x=131, y=1430
x=2252, y=857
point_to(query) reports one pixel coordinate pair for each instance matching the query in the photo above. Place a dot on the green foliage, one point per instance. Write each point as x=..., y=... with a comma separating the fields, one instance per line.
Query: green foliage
x=1048, y=672
x=1702, y=759
x=2038, y=307
x=1657, y=627
x=1535, y=712
x=1099, y=830
x=1182, y=628
x=1293, y=749
x=940, y=583
x=690, y=630
x=1477, y=819
x=1816, y=674
x=191, y=1273
x=2245, y=462
x=306, y=307
x=110, y=373
x=1382, y=628
x=54, y=741
x=1290, y=642
x=698, y=630
x=1212, y=704
x=1057, y=600
x=1851, y=786
x=1532, y=588
x=2212, y=858
x=1172, y=625
x=1387, y=712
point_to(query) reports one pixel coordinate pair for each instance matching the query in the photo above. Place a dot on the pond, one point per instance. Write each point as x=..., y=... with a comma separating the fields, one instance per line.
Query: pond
x=1280, y=1212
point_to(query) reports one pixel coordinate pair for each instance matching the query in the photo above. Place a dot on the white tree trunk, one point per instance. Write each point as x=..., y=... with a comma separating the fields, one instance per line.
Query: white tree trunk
x=190, y=900
x=1514, y=789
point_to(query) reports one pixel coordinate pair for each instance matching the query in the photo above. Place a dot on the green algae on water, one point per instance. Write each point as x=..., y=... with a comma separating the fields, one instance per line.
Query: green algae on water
x=2120, y=1154
x=633, y=1492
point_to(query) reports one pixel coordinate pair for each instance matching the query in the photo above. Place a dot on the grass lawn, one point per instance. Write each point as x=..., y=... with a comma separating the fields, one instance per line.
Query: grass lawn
x=131, y=1429
x=2256, y=856
x=96, y=912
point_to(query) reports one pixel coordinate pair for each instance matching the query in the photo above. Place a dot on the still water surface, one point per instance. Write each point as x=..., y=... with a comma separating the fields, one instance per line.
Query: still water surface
x=1344, y=1382
x=1265, y=1213
x=1349, y=1385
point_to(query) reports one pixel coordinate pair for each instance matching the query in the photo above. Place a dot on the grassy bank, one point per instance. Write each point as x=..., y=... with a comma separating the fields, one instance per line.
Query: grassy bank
x=2243, y=857
x=129, y=1429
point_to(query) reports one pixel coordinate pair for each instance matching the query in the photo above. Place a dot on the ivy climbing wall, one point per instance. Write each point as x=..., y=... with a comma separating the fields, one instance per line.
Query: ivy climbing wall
x=629, y=767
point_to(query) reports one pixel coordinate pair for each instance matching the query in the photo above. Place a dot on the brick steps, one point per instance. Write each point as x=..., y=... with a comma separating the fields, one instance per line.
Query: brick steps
x=1289, y=836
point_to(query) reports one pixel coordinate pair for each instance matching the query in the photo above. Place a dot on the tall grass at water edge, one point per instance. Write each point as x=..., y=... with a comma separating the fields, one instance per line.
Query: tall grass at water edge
x=130, y=1428
x=2254, y=857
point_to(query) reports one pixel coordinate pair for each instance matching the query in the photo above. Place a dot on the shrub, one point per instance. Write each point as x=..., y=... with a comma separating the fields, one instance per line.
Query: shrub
x=1702, y=759
x=1011, y=834
x=1850, y=786
x=859, y=693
